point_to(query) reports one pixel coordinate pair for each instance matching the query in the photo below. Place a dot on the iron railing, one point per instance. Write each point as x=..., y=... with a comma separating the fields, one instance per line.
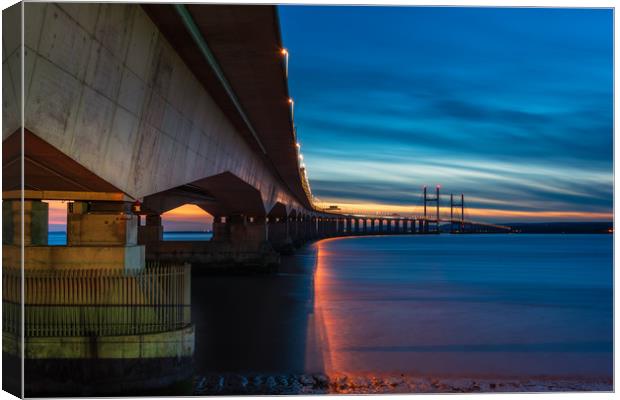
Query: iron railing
x=98, y=302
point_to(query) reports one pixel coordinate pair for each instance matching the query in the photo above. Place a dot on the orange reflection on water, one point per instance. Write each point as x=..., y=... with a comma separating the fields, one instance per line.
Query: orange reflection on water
x=326, y=325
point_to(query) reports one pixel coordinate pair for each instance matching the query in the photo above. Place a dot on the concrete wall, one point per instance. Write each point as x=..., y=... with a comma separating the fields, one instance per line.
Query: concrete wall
x=105, y=87
x=11, y=70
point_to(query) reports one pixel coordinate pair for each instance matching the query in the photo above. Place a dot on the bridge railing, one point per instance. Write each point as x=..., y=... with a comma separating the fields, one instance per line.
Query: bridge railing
x=97, y=302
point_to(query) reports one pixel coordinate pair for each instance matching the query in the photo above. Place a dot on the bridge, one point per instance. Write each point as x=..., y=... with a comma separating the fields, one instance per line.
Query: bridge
x=131, y=111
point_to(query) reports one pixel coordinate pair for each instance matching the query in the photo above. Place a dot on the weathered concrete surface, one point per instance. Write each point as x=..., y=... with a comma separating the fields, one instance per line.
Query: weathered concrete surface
x=178, y=343
x=11, y=69
x=35, y=222
x=106, y=88
x=74, y=257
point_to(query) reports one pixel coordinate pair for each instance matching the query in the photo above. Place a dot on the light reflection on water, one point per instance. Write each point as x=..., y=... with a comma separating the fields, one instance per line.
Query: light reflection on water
x=447, y=305
x=470, y=305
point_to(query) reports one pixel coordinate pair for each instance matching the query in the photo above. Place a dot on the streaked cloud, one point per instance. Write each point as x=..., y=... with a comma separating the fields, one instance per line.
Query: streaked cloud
x=512, y=107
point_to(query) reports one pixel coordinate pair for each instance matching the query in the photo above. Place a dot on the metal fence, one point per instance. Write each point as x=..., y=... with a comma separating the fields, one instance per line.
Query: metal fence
x=98, y=302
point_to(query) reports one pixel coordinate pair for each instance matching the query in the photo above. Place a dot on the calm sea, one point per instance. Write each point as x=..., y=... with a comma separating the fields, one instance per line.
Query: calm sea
x=60, y=238
x=447, y=305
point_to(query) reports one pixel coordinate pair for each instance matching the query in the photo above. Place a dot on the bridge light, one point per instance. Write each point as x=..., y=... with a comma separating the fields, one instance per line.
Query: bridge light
x=290, y=101
x=298, y=145
x=284, y=52
x=301, y=157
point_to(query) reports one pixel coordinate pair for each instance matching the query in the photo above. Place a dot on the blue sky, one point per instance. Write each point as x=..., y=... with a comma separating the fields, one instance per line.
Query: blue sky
x=513, y=107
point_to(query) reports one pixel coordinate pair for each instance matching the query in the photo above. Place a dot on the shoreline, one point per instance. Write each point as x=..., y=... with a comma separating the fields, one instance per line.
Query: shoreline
x=269, y=384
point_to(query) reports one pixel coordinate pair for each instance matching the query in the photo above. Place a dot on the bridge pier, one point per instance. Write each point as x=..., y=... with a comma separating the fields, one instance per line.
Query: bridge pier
x=308, y=227
x=278, y=234
x=293, y=223
x=314, y=227
x=152, y=232
x=321, y=227
x=334, y=227
x=84, y=287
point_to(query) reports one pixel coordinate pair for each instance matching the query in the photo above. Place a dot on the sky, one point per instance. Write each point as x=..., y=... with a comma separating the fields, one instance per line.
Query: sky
x=510, y=106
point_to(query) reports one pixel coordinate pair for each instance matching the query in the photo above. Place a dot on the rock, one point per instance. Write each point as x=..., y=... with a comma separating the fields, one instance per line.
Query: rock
x=306, y=380
x=321, y=381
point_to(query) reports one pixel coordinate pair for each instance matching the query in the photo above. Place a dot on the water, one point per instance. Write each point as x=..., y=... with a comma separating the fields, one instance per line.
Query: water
x=449, y=306
x=175, y=236
x=499, y=306
x=57, y=238
x=60, y=238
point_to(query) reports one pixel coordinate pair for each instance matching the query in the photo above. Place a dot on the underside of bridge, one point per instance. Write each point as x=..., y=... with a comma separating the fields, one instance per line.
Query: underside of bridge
x=127, y=116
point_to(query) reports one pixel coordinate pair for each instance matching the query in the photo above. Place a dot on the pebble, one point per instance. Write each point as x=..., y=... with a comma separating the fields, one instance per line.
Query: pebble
x=231, y=384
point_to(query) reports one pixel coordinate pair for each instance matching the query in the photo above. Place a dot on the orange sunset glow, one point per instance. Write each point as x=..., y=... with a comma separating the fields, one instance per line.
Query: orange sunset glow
x=190, y=217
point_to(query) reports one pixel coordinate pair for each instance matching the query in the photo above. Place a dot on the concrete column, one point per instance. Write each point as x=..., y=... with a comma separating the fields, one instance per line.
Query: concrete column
x=220, y=230
x=365, y=225
x=278, y=233
x=301, y=230
x=305, y=228
x=348, y=225
x=389, y=225
x=314, y=227
x=100, y=234
x=292, y=228
x=307, y=224
x=372, y=225
x=35, y=222
x=357, y=225
x=152, y=231
x=241, y=230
